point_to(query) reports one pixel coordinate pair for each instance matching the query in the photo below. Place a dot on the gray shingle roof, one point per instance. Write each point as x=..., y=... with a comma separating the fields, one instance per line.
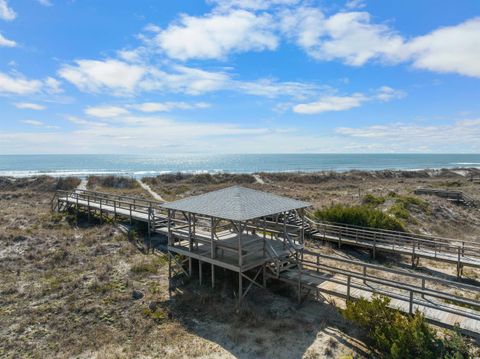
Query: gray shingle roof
x=236, y=203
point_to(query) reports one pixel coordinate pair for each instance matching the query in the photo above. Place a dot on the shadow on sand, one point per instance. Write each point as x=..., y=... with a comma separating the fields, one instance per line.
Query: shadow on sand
x=268, y=324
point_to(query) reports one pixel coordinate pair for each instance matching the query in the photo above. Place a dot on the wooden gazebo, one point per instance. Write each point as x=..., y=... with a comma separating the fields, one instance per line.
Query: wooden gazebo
x=236, y=228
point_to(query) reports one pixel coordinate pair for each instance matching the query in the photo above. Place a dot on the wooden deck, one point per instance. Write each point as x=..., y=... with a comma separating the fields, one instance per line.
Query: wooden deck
x=436, y=312
x=402, y=248
x=460, y=253
x=226, y=252
x=442, y=301
x=407, y=290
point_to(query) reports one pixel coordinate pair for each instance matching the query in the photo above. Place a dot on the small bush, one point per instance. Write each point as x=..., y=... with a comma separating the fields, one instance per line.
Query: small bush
x=158, y=314
x=372, y=200
x=394, y=335
x=403, y=204
x=112, y=182
x=364, y=216
x=67, y=183
x=150, y=266
x=144, y=267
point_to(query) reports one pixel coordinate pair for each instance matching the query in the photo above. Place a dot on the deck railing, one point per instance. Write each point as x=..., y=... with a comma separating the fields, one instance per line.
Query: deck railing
x=418, y=245
x=417, y=288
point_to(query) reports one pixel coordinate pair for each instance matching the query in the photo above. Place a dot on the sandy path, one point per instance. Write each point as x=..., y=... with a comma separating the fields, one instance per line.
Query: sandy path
x=83, y=184
x=154, y=194
x=258, y=179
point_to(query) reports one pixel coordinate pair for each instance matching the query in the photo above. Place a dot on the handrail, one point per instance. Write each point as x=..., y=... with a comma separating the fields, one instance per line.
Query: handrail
x=109, y=195
x=398, y=233
x=435, y=243
x=394, y=271
x=291, y=242
x=395, y=283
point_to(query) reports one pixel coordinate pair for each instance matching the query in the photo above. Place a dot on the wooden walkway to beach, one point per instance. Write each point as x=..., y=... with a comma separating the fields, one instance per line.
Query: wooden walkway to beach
x=341, y=278
x=442, y=301
x=460, y=253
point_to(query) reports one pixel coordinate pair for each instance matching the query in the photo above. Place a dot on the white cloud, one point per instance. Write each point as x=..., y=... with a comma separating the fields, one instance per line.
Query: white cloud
x=330, y=103
x=272, y=88
x=167, y=106
x=190, y=80
x=355, y=4
x=29, y=106
x=152, y=28
x=52, y=86
x=121, y=78
x=450, y=49
x=250, y=4
x=6, y=42
x=386, y=93
x=97, y=76
x=216, y=35
x=304, y=25
x=343, y=103
x=33, y=122
x=348, y=36
x=6, y=12
x=45, y=2
x=18, y=85
x=410, y=136
x=105, y=111
x=354, y=39
x=37, y=123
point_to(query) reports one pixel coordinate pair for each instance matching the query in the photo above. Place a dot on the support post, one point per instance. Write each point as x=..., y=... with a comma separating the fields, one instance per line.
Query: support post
x=169, y=213
x=459, y=265
x=240, y=288
x=410, y=307
x=264, y=277
x=88, y=205
x=169, y=275
x=190, y=243
x=349, y=279
x=200, y=272
x=213, y=275
x=302, y=214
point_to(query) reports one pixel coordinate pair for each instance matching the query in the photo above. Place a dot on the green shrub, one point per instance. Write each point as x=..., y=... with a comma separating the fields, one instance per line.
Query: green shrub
x=372, y=200
x=148, y=266
x=144, y=267
x=392, y=334
x=364, y=216
x=118, y=182
x=67, y=183
x=403, y=204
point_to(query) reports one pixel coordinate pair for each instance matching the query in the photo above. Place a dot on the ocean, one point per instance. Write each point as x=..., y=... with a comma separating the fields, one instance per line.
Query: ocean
x=151, y=165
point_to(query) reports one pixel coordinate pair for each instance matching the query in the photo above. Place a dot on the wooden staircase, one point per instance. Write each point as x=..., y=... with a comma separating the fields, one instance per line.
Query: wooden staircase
x=287, y=260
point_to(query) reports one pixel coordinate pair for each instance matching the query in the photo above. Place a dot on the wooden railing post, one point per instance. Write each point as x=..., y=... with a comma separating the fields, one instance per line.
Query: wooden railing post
x=410, y=307
x=348, y=287
x=459, y=265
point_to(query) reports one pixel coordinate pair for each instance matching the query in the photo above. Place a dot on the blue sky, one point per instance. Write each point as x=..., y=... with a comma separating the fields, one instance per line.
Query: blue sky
x=232, y=76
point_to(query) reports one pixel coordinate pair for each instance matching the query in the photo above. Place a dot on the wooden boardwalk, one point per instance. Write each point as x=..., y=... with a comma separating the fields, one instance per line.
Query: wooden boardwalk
x=460, y=253
x=443, y=302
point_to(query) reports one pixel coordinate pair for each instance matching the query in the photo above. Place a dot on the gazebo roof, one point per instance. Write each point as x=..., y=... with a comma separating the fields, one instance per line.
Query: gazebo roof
x=236, y=203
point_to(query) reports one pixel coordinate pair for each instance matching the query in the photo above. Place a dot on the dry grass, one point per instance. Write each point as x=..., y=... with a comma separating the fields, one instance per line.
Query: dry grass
x=66, y=291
